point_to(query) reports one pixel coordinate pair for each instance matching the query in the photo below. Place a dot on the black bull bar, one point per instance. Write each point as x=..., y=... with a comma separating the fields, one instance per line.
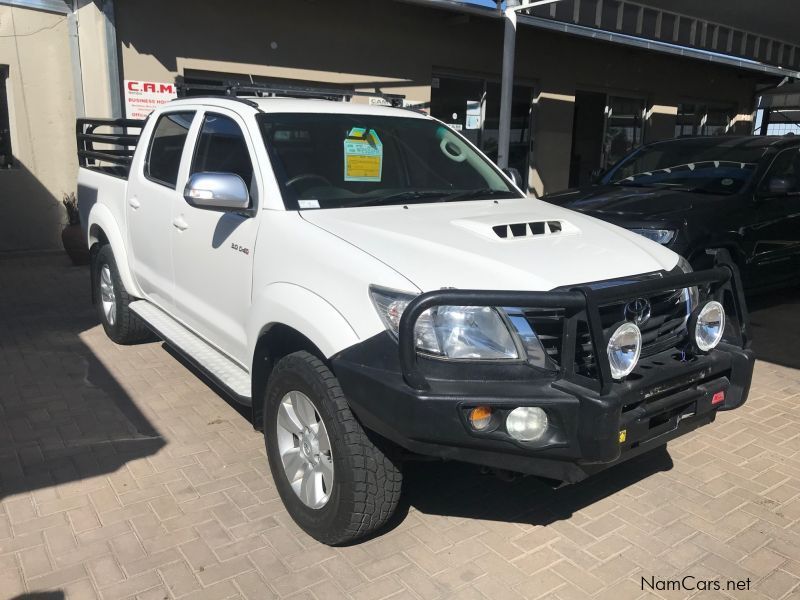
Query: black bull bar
x=582, y=304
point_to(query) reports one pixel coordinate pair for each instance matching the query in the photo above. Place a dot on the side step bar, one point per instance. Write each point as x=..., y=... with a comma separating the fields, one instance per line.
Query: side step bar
x=221, y=369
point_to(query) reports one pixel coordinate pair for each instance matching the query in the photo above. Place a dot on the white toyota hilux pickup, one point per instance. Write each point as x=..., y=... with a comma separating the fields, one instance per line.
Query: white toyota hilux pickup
x=376, y=289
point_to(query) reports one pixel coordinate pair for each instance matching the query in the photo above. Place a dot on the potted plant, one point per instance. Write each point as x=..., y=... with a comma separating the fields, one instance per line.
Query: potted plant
x=72, y=235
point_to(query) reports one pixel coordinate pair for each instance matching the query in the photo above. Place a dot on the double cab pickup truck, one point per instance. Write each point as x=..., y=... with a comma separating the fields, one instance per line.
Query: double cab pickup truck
x=375, y=289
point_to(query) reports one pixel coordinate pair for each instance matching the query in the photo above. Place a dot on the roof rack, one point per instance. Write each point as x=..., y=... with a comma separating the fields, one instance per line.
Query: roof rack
x=235, y=88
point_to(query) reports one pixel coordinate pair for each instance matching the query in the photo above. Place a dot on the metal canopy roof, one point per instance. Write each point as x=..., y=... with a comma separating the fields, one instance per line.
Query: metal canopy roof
x=659, y=29
x=776, y=19
x=658, y=46
x=55, y=6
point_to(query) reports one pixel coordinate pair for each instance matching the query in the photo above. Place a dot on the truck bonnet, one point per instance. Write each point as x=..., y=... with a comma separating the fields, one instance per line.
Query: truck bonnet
x=522, y=244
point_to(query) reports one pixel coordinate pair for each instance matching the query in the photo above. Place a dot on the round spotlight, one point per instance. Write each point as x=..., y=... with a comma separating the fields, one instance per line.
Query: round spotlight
x=526, y=423
x=480, y=418
x=709, y=325
x=624, y=348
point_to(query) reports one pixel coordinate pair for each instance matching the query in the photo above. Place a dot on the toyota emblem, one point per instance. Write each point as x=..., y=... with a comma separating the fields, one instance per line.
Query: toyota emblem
x=638, y=311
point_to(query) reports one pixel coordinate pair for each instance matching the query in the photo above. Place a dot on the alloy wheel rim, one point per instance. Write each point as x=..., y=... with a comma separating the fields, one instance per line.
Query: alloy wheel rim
x=107, y=296
x=305, y=450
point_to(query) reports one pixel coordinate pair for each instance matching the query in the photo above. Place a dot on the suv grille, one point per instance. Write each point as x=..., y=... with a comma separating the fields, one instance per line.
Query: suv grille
x=666, y=328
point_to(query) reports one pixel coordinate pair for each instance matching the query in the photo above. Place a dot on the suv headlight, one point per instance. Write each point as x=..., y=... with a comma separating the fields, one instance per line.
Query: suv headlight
x=454, y=332
x=662, y=236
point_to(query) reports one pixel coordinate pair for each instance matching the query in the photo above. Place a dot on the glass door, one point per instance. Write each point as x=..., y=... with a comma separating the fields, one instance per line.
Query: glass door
x=459, y=102
x=623, y=128
x=520, y=141
x=471, y=105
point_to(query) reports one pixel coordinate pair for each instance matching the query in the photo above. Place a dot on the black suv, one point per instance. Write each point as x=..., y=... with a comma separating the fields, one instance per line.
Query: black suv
x=695, y=194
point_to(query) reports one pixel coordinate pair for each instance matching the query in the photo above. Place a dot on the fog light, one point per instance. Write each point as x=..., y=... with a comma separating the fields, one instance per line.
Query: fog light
x=624, y=348
x=709, y=326
x=526, y=423
x=480, y=418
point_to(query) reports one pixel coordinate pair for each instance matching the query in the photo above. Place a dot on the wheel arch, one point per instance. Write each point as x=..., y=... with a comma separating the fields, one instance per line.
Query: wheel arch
x=277, y=341
x=288, y=318
x=102, y=229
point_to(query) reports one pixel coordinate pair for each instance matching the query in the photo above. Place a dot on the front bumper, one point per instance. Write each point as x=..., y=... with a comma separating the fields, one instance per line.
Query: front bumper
x=657, y=403
x=422, y=404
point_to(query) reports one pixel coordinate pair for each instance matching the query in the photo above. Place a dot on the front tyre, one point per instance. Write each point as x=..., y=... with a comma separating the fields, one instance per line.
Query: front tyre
x=120, y=323
x=335, y=482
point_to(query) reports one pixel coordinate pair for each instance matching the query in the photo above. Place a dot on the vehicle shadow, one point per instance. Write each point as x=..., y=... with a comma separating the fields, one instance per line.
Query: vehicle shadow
x=775, y=327
x=462, y=490
x=64, y=417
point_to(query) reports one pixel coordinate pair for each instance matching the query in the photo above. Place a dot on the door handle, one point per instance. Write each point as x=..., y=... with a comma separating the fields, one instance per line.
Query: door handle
x=134, y=203
x=180, y=224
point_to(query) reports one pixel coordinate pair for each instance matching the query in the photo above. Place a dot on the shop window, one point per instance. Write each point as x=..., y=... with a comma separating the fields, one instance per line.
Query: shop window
x=702, y=119
x=6, y=158
x=604, y=129
x=623, y=127
x=717, y=121
x=688, y=120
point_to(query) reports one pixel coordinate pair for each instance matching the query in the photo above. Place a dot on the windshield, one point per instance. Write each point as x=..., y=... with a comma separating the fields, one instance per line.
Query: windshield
x=343, y=160
x=711, y=166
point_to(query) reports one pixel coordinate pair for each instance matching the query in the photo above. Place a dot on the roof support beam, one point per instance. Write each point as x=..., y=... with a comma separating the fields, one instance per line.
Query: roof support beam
x=507, y=79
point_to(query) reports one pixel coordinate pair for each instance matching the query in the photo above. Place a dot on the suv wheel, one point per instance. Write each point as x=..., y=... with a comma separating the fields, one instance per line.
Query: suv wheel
x=336, y=483
x=121, y=324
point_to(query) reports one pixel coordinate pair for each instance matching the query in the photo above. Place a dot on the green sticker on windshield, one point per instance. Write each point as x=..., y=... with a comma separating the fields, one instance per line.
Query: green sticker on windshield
x=363, y=155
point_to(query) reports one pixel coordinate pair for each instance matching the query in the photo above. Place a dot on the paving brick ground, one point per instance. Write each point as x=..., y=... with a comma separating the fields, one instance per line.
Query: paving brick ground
x=123, y=475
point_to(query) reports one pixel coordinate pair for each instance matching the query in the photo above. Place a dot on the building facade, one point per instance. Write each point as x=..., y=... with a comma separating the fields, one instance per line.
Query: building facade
x=579, y=102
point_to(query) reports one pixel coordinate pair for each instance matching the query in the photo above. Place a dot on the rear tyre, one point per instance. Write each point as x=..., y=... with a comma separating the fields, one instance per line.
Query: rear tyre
x=336, y=483
x=120, y=323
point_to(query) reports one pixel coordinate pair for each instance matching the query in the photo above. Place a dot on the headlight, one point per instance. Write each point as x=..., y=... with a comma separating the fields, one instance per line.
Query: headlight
x=624, y=348
x=708, y=326
x=662, y=236
x=690, y=295
x=455, y=332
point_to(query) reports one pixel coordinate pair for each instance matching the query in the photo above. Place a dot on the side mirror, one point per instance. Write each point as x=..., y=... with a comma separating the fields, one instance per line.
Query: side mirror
x=781, y=186
x=217, y=191
x=514, y=176
x=596, y=175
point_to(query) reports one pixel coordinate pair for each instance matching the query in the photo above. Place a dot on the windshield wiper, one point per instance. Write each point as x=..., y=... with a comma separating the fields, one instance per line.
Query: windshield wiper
x=472, y=194
x=693, y=190
x=441, y=195
x=399, y=197
x=663, y=185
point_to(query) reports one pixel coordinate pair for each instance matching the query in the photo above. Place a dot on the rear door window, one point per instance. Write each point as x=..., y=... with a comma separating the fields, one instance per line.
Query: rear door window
x=166, y=147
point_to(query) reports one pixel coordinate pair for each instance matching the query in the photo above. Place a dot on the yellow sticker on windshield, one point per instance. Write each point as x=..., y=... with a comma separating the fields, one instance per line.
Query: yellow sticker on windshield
x=363, y=155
